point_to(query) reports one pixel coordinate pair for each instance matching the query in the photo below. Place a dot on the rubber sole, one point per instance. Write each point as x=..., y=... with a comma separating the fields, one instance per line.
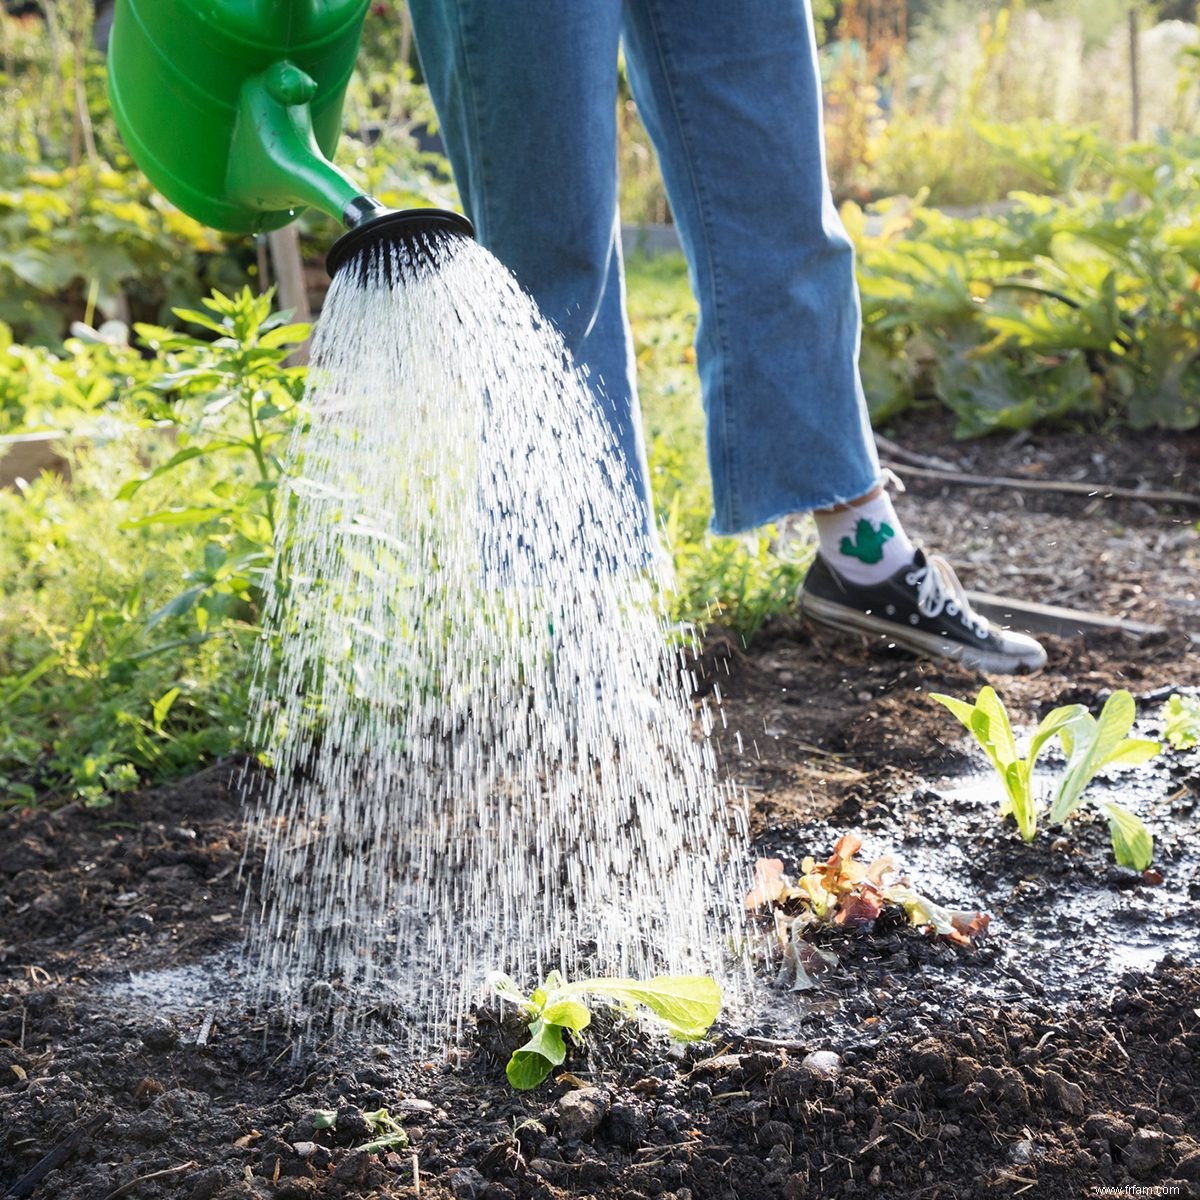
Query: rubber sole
x=851, y=620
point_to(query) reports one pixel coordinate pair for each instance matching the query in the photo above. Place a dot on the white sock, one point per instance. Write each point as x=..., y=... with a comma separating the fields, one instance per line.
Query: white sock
x=864, y=543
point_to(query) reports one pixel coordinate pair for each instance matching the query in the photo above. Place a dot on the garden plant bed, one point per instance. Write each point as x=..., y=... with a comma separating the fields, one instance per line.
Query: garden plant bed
x=1060, y=1055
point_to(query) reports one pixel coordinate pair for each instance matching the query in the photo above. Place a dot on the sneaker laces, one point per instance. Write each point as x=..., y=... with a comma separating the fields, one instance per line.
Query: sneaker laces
x=939, y=590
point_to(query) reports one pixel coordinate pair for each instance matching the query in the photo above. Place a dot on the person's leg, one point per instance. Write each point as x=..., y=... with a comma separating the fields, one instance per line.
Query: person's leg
x=526, y=95
x=731, y=97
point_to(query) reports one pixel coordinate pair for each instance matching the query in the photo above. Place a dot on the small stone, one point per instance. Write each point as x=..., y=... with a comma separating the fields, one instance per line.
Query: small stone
x=579, y=1113
x=353, y=1168
x=1144, y=1153
x=1063, y=1094
x=876, y=1176
x=1022, y=1152
x=932, y=1059
x=412, y=1107
x=159, y=1035
x=304, y=1149
x=467, y=1184
x=1108, y=1128
x=545, y=1169
x=822, y=1064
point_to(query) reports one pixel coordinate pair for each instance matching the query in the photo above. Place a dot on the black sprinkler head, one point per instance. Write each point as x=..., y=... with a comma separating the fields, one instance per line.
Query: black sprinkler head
x=422, y=230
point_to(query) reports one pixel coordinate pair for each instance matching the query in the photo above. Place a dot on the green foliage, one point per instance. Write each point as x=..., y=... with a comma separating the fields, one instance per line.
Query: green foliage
x=92, y=239
x=987, y=720
x=91, y=704
x=1181, y=721
x=124, y=608
x=1049, y=310
x=76, y=388
x=1090, y=745
x=233, y=399
x=686, y=1005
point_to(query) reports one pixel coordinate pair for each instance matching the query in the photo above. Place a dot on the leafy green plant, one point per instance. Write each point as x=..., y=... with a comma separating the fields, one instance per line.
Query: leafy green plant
x=988, y=720
x=1086, y=306
x=234, y=398
x=389, y=1133
x=123, y=608
x=1181, y=721
x=686, y=1005
x=1090, y=744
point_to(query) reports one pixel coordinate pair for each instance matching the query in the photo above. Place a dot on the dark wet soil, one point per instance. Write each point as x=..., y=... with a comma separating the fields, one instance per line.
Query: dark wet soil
x=1060, y=1057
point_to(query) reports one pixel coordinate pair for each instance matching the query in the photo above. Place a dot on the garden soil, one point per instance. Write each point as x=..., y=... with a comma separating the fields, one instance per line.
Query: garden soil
x=1059, y=1058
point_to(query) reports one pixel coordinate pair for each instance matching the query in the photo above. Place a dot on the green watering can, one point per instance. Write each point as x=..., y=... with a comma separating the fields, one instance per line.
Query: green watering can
x=233, y=108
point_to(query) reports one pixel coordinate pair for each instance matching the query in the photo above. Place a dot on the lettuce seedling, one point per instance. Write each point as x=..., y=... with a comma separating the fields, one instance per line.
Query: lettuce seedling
x=843, y=891
x=1181, y=721
x=987, y=719
x=1091, y=744
x=687, y=1005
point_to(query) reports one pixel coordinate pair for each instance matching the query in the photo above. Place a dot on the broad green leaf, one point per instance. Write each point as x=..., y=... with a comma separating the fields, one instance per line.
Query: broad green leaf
x=1052, y=724
x=1131, y=840
x=960, y=708
x=569, y=1014
x=533, y=1061
x=686, y=1004
x=1132, y=752
x=1091, y=743
x=285, y=335
x=526, y=1070
x=999, y=729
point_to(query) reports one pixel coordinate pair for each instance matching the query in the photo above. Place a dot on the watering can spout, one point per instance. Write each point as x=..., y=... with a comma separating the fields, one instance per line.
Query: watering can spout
x=275, y=162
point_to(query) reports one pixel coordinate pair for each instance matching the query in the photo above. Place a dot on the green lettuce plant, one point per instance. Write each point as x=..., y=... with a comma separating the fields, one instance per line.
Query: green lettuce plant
x=686, y=1004
x=1090, y=744
x=1181, y=721
x=988, y=720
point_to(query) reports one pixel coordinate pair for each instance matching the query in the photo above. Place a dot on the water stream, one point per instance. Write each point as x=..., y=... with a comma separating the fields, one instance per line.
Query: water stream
x=485, y=752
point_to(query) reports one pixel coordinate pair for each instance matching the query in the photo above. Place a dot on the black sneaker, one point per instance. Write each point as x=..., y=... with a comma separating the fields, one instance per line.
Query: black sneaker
x=923, y=608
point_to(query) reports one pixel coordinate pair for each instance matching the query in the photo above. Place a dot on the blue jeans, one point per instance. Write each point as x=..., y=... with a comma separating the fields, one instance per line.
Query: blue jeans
x=526, y=94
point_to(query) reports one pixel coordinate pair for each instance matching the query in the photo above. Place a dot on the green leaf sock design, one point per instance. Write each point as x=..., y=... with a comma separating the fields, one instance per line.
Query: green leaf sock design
x=867, y=545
